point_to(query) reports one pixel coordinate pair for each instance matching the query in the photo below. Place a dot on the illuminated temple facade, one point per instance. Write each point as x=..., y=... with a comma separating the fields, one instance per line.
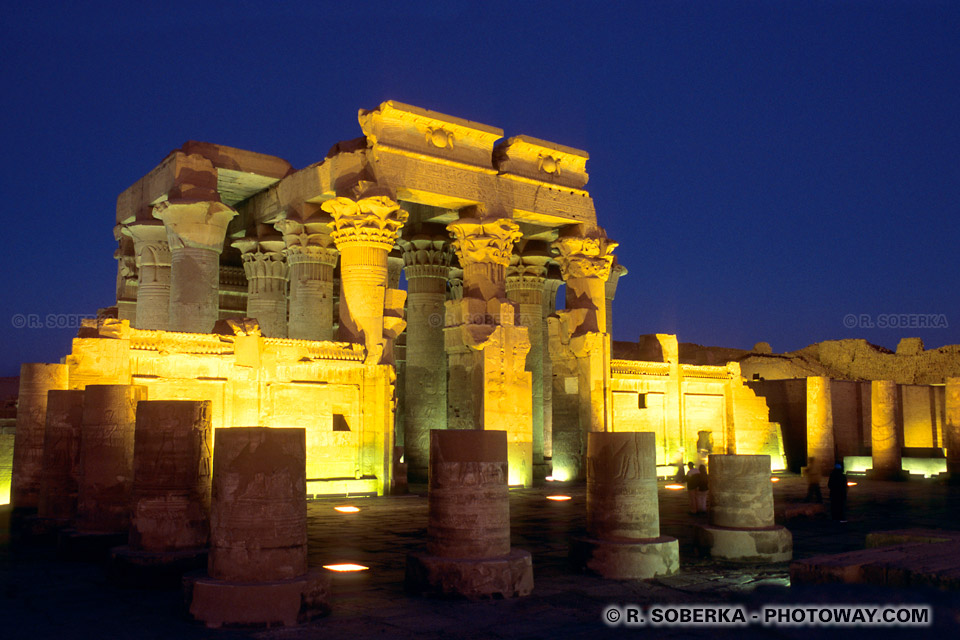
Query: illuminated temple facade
x=406, y=282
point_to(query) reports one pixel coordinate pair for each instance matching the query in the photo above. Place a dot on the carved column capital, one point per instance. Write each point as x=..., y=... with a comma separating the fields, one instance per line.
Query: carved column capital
x=371, y=221
x=150, y=243
x=478, y=240
x=585, y=254
x=426, y=257
x=262, y=258
x=195, y=224
x=307, y=242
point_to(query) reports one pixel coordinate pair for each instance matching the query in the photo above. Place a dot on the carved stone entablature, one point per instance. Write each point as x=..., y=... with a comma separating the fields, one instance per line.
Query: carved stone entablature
x=541, y=160
x=375, y=220
x=398, y=126
x=479, y=240
x=195, y=224
x=585, y=254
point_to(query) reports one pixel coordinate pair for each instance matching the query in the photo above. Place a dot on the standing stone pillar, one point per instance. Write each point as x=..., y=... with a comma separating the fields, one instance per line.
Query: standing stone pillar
x=820, y=442
x=586, y=258
x=169, y=521
x=36, y=379
x=468, y=528
x=257, y=569
x=127, y=276
x=154, y=264
x=266, y=272
x=195, y=232
x=61, y=456
x=106, y=471
x=610, y=291
x=364, y=232
x=885, y=435
x=311, y=258
x=623, y=510
x=427, y=260
x=741, y=525
x=525, y=278
x=489, y=386
x=951, y=428
x=551, y=284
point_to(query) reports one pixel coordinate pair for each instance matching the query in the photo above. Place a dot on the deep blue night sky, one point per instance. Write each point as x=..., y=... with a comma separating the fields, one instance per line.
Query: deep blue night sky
x=768, y=167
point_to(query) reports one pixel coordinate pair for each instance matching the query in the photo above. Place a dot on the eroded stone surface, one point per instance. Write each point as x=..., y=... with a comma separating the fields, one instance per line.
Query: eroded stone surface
x=741, y=495
x=36, y=379
x=884, y=432
x=61, y=455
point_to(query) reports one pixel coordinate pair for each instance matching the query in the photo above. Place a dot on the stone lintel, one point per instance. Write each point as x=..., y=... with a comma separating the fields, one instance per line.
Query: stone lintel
x=541, y=160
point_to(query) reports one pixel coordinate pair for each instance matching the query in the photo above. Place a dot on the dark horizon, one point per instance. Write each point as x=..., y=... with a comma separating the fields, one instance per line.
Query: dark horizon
x=770, y=171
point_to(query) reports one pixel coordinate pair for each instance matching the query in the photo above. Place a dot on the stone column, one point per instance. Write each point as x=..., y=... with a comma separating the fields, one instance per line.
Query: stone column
x=468, y=528
x=525, y=277
x=885, y=434
x=487, y=351
x=610, y=291
x=106, y=457
x=623, y=510
x=586, y=259
x=258, y=533
x=951, y=427
x=548, y=299
x=61, y=456
x=127, y=276
x=311, y=258
x=741, y=512
x=154, y=264
x=820, y=443
x=36, y=379
x=364, y=232
x=266, y=272
x=195, y=233
x=427, y=260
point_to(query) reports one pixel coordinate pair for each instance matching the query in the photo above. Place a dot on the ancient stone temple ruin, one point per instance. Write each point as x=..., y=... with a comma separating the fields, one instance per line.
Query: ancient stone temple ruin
x=405, y=283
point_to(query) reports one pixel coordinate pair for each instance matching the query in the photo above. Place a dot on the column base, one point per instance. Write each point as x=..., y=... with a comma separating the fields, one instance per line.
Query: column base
x=153, y=569
x=42, y=531
x=770, y=544
x=218, y=603
x=87, y=547
x=634, y=560
x=507, y=576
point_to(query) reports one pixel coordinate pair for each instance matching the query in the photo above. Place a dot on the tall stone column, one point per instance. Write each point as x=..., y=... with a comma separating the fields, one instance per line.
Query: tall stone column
x=154, y=265
x=195, y=232
x=487, y=351
x=623, y=510
x=741, y=525
x=364, y=231
x=266, y=272
x=311, y=257
x=525, y=277
x=61, y=455
x=951, y=427
x=106, y=457
x=127, y=276
x=36, y=379
x=820, y=442
x=551, y=284
x=427, y=260
x=586, y=258
x=468, y=529
x=257, y=569
x=885, y=434
x=610, y=291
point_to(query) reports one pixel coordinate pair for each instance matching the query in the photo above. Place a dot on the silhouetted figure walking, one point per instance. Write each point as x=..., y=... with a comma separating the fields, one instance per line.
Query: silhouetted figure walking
x=838, y=493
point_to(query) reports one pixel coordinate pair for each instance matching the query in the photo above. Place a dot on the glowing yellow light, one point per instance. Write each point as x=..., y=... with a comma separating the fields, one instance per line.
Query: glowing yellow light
x=851, y=484
x=674, y=487
x=345, y=567
x=549, y=478
x=560, y=475
x=559, y=498
x=774, y=479
x=347, y=509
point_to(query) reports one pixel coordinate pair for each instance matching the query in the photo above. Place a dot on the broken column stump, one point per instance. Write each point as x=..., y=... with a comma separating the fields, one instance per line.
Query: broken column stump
x=257, y=569
x=170, y=508
x=61, y=461
x=468, y=532
x=741, y=525
x=623, y=511
x=106, y=471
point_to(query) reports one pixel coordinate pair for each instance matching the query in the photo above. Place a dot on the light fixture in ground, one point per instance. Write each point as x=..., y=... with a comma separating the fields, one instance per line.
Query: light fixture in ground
x=559, y=498
x=345, y=567
x=674, y=487
x=346, y=509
